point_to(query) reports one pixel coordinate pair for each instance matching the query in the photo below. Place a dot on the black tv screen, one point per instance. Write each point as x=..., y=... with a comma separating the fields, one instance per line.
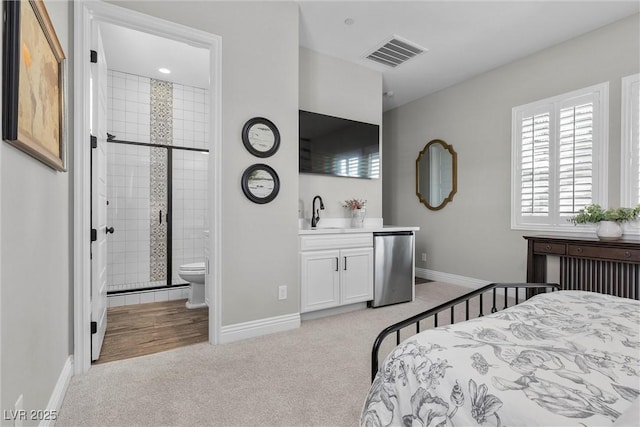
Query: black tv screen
x=340, y=147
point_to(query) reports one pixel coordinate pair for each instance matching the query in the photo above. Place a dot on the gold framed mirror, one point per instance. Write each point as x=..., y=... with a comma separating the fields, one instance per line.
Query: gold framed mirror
x=436, y=174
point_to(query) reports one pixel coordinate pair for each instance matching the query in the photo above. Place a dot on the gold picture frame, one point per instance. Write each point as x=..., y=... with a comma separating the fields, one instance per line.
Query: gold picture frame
x=34, y=80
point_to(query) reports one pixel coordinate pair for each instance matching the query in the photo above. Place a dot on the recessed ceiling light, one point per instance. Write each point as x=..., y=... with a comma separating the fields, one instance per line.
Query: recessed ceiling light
x=164, y=70
x=349, y=21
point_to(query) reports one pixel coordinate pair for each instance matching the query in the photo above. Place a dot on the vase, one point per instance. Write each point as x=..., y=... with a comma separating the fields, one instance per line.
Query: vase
x=608, y=230
x=357, y=217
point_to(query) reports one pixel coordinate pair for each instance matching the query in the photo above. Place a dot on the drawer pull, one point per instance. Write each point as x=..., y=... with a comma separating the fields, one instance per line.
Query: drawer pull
x=579, y=250
x=627, y=254
x=547, y=248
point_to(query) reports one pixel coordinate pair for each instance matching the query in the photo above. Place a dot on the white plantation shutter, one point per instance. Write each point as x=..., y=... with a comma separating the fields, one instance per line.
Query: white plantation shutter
x=630, y=147
x=559, y=156
x=535, y=165
x=575, y=168
x=630, y=141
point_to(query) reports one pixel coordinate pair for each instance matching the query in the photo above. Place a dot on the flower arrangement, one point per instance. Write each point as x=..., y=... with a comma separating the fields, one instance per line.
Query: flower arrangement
x=354, y=204
x=594, y=213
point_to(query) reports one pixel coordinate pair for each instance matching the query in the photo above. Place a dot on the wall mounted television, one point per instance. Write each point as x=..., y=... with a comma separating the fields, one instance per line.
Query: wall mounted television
x=340, y=147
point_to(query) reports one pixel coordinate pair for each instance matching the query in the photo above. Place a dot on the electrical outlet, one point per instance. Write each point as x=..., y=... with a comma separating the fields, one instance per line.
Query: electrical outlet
x=282, y=292
x=424, y=256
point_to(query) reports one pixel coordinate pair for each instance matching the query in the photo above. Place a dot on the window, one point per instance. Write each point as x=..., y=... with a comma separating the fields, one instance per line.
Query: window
x=630, y=146
x=559, y=159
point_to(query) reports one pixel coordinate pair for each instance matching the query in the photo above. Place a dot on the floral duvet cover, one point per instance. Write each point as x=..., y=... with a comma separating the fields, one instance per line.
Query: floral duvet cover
x=568, y=358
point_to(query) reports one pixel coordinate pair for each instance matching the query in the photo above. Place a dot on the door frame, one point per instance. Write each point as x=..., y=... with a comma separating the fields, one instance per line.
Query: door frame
x=86, y=12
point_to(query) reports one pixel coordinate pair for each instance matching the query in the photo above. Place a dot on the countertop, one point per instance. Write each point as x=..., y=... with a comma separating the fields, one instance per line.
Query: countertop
x=366, y=229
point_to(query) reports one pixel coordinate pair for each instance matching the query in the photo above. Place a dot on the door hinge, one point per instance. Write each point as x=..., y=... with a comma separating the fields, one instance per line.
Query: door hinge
x=94, y=327
x=94, y=57
x=94, y=234
x=94, y=141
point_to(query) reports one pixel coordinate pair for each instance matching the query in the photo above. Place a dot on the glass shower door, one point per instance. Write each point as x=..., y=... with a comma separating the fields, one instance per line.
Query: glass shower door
x=189, y=208
x=129, y=211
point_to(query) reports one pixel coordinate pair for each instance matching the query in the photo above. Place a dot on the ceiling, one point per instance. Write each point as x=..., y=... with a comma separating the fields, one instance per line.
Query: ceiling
x=463, y=38
x=143, y=54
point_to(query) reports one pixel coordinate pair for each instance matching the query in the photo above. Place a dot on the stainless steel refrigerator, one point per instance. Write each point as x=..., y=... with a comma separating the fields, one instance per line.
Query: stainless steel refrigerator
x=393, y=279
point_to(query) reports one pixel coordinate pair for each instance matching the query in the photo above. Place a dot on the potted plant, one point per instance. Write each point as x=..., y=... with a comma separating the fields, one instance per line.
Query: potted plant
x=608, y=221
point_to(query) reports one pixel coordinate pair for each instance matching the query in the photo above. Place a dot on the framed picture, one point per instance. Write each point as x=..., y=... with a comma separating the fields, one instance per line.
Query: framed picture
x=34, y=81
x=261, y=137
x=260, y=183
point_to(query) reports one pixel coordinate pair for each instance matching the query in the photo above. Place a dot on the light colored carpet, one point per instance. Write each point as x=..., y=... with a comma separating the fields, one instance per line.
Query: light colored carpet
x=317, y=375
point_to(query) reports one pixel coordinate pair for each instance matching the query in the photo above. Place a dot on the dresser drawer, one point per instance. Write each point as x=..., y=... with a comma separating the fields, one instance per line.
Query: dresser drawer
x=549, y=248
x=618, y=254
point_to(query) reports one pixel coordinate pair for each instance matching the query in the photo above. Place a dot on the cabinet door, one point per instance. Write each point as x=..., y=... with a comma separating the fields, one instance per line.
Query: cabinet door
x=320, y=280
x=357, y=275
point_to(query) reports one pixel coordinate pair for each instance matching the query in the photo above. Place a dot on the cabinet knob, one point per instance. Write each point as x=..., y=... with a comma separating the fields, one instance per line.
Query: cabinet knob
x=579, y=250
x=627, y=254
x=547, y=248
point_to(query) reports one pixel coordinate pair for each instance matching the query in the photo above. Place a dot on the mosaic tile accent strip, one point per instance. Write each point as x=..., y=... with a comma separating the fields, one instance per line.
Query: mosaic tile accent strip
x=161, y=133
x=161, y=112
x=159, y=204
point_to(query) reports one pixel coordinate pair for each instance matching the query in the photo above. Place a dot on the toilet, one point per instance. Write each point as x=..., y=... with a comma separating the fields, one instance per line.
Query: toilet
x=194, y=274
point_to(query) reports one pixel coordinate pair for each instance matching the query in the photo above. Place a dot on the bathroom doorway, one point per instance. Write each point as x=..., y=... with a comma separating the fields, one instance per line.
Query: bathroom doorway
x=156, y=189
x=162, y=135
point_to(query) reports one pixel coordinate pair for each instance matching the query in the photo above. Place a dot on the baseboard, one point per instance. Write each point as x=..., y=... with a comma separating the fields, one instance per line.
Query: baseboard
x=454, y=279
x=55, y=402
x=333, y=311
x=256, y=328
x=467, y=282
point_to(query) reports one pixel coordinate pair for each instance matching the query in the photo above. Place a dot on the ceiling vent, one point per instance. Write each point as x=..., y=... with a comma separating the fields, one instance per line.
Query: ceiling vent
x=395, y=52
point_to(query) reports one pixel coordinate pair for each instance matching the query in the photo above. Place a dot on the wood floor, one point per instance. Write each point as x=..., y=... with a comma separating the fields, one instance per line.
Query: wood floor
x=136, y=330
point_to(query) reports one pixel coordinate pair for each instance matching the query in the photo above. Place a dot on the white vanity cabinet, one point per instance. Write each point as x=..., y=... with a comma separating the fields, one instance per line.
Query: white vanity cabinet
x=336, y=269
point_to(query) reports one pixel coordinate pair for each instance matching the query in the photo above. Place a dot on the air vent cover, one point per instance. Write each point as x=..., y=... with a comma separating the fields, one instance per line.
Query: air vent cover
x=395, y=51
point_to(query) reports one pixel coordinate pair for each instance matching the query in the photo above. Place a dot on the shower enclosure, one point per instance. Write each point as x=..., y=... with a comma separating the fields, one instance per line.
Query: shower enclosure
x=157, y=161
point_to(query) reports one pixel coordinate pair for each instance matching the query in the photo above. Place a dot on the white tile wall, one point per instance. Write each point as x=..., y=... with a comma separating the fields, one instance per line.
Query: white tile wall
x=129, y=106
x=190, y=116
x=128, y=170
x=128, y=179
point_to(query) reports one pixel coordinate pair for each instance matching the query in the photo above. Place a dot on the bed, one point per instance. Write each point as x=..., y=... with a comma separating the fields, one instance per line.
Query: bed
x=557, y=359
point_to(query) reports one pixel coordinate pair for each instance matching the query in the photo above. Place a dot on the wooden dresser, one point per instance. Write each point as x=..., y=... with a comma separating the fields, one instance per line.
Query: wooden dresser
x=587, y=263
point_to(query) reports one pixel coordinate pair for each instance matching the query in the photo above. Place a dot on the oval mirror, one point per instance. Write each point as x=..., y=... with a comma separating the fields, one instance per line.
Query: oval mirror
x=436, y=174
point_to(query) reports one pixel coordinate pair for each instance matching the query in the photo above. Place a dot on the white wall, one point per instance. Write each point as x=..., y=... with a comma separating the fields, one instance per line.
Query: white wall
x=471, y=236
x=338, y=88
x=35, y=255
x=260, y=78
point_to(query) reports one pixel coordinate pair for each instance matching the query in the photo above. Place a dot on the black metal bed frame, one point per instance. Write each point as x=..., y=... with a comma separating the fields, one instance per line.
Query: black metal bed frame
x=396, y=327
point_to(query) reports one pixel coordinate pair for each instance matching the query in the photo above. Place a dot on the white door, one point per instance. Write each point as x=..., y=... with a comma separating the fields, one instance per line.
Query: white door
x=98, y=195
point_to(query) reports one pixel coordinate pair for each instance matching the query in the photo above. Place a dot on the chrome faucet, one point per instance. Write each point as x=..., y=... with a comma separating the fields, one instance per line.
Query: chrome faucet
x=315, y=214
